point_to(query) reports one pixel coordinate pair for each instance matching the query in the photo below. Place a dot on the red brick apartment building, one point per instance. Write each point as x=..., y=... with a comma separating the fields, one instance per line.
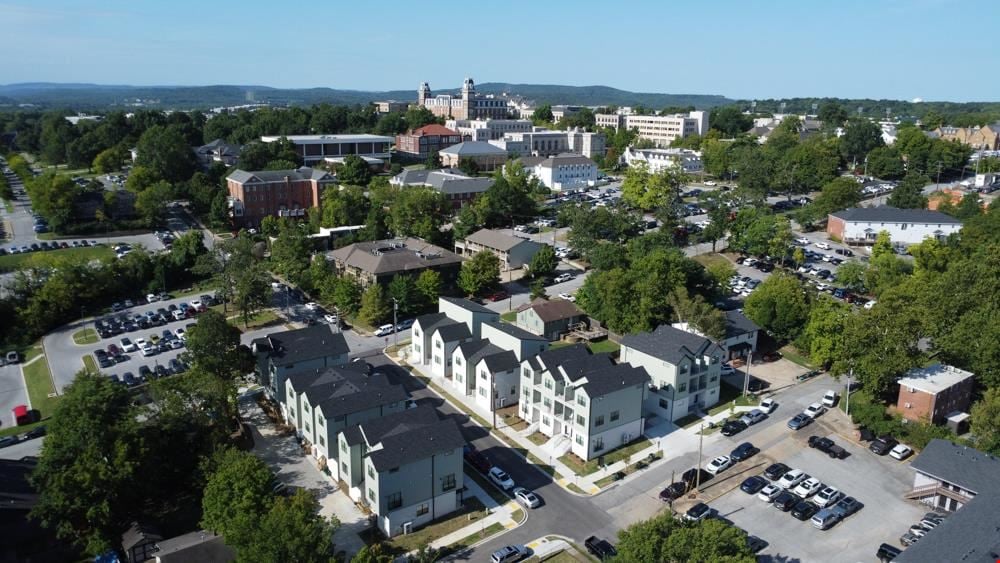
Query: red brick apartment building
x=278, y=193
x=419, y=143
x=933, y=393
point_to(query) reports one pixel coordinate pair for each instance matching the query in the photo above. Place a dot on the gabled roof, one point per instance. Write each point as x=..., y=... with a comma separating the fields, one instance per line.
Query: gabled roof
x=554, y=309
x=497, y=240
x=453, y=332
x=346, y=389
x=473, y=350
x=738, y=324
x=416, y=444
x=268, y=176
x=514, y=331
x=302, y=344
x=433, y=129
x=377, y=429
x=553, y=357
x=470, y=306
x=504, y=360
x=886, y=214
x=671, y=344
x=383, y=257
x=966, y=467
x=565, y=159
x=474, y=148
x=431, y=321
x=139, y=533
x=195, y=547
x=614, y=378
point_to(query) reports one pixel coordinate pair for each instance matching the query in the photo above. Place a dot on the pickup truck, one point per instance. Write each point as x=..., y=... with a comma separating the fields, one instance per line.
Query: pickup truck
x=827, y=446
x=599, y=548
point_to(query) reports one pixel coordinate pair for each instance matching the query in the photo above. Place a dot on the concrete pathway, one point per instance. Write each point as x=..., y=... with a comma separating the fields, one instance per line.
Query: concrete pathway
x=503, y=515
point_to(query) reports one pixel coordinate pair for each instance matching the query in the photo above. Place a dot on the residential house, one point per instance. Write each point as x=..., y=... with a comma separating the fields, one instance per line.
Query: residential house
x=413, y=473
x=564, y=171
x=861, y=225
x=144, y=544
x=379, y=261
x=274, y=193
x=933, y=393
x=320, y=403
x=374, y=149
x=513, y=252
x=456, y=186
x=420, y=336
x=965, y=481
x=509, y=337
x=469, y=312
x=420, y=143
x=684, y=369
x=444, y=340
x=741, y=335
x=24, y=538
x=282, y=353
x=486, y=372
x=486, y=156
x=587, y=400
x=551, y=318
x=218, y=151
x=986, y=137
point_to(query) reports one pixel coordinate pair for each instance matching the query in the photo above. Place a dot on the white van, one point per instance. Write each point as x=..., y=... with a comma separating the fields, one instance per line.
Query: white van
x=830, y=398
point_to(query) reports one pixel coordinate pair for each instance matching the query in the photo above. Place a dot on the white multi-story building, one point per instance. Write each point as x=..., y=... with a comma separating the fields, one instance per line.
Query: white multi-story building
x=684, y=369
x=563, y=171
x=544, y=142
x=660, y=129
x=488, y=129
x=658, y=160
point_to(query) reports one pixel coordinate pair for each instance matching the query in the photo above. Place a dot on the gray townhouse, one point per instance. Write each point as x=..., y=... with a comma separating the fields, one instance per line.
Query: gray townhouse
x=411, y=468
x=594, y=403
x=281, y=353
x=320, y=403
x=740, y=340
x=684, y=370
x=435, y=336
x=549, y=318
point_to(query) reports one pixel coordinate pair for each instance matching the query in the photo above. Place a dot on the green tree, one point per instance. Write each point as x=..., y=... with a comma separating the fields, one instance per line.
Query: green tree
x=403, y=289
x=109, y=160
x=165, y=152
x=537, y=287
x=375, y=307
x=418, y=116
x=291, y=252
x=698, y=313
x=433, y=161
x=985, y=423
x=251, y=292
x=543, y=263
x=852, y=274
x=87, y=470
x=860, y=137
x=347, y=295
x=211, y=345
x=821, y=337
x=511, y=198
x=52, y=196
x=151, y=203
x=839, y=194
x=419, y=212
x=969, y=207
x=649, y=191
x=480, y=274
x=291, y=530
x=542, y=115
x=344, y=205
x=832, y=114
x=909, y=192
x=468, y=166
x=779, y=306
x=665, y=538
x=886, y=163
x=729, y=121
x=354, y=171
x=372, y=554
x=428, y=287
x=238, y=491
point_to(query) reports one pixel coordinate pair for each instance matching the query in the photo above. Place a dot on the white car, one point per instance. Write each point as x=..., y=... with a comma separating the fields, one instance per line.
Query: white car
x=719, y=464
x=768, y=405
x=803, y=241
x=901, y=452
x=310, y=306
x=567, y=297
x=501, y=479
x=385, y=330
x=823, y=287
x=830, y=398
x=827, y=497
x=711, y=183
x=147, y=349
x=140, y=342
x=152, y=298
x=330, y=319
x=753, y=417
x=768, y=493
x=791, y=479
x=728, y=369
x=563, y=278
x=181, y=334
x=128, y=345
x=823, y=246
x=870, y=304
x=814, y=410
x=527, y=498
x=808, y=488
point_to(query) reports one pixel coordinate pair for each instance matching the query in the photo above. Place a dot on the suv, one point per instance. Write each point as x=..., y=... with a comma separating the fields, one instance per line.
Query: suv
x=753, y=417
x=827, y=446
x=699, y=512
x=501, y=478
x=602, y=549
x=830, y=398
x=883, y=445
x=385, y=330
x=509, y=553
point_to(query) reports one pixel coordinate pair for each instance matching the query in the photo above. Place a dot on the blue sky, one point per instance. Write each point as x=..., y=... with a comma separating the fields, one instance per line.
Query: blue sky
x=901, y=49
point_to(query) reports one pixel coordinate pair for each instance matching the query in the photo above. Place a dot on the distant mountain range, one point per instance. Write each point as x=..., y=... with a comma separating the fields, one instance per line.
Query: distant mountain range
x=82, y=97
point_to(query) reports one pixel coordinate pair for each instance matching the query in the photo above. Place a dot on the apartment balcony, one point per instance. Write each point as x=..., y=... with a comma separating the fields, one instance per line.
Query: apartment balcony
x=937, y=490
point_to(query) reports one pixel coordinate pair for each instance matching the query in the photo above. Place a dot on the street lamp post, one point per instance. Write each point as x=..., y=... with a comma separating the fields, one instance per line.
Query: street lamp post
x=395, y=321
x=847, y=404
x=701, y=441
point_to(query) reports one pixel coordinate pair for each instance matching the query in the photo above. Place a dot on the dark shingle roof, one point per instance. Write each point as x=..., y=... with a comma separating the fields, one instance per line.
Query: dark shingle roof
x=416, y=444
x=343, y=390
x=737, y=323
x=505, y=360
x=670, y=344
x=966, y=467
x=474, y=148
x=616, y=377
x=468, y=305
x=971, y=535
x=303, y=173
x=304, y=344
x=575, y=368
x=886, y=214
x=474, y=350
x=377, y=429
x=390, y=256
x=553, y=357
x=431, y=321
x=554, y=310
x=454, y=331
x=514, y=331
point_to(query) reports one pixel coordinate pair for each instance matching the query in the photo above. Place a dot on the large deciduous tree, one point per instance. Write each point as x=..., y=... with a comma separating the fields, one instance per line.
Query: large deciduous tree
x=729, y=121
x=860, y=137
x=165, y=152
x=909, y=193
x=237, y=492
x=665, y=538
x=778, y=304
x=375, y=307
x=652, y=191
x=544, y=262
x=354, y=171
x=479, y=274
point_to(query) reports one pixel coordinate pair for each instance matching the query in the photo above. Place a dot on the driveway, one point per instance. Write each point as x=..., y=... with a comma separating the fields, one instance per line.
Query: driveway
x=12, y=393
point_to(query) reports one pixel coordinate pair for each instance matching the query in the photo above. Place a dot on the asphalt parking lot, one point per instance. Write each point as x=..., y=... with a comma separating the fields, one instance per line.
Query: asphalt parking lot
x=878, y=482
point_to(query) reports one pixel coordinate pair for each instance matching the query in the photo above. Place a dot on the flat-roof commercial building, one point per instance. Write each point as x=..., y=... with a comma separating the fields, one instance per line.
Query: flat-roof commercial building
x=319, y=148
x=660, y=129
x=933, y=393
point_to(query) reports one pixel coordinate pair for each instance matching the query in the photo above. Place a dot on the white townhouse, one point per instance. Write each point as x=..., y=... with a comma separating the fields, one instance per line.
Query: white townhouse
x=861, y=225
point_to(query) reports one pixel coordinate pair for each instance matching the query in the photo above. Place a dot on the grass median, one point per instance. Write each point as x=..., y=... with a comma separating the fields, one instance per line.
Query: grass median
x=42, y=258
x=85, y=336
x=471, y=512
x=623, y=453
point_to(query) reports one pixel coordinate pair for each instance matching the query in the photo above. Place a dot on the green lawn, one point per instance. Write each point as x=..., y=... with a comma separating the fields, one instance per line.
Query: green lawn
x=792, y=354
x=604, y=346
x=710, y=259
x=13, y=262
x=494, y=528
x=587, y=467
x=471, y=512
x=728, y=394
x=509, y=316
x=90, y=364
x=85, y=336
x=263, y=318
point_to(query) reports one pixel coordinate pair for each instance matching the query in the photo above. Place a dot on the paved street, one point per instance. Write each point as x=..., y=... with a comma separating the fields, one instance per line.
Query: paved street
x=27, y=448
x=12, y=393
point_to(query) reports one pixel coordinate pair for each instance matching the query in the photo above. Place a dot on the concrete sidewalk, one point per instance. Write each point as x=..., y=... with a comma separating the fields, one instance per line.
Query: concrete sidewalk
x=666, y=437
x=499, y=514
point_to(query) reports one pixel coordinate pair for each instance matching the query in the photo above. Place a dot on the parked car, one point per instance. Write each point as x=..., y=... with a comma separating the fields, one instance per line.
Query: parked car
x=403, y=325
x=719, y=464
x=699, y=512
x=509, y=554
x=823, y=246
x=847, y=506
x=830, y=398
x=128, y=345
x=825, y=519
x=827, y=446
x=804, y=510
x=527, y=498
x=753, y=417
x=800, y=421
x=900, y=452
x=498, y=296
x=562, y=278
x=829, y=495
x=814, y=410
x=600, y=548
x=887, y=553
x=768, y=492
x=385, y=330
x=776, y=470
x=808, y=488
x=883, y=445
x=501, y=478
x=791, y=479
x=733, y=427
x=768, y=405
x=674, y=491
x=785, y=501
x=753, y=484
x=746, y=450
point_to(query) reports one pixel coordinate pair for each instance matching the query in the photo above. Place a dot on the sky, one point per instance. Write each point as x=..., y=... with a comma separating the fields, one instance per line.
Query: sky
x=898, y=49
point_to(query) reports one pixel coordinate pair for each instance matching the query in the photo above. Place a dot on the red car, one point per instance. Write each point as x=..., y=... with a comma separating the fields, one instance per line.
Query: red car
x=476, y=459
x=498, y=296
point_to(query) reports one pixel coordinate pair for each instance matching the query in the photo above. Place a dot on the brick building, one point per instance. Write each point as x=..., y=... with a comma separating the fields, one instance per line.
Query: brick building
x=427, y=140
x=279, y=193
x=932, y=393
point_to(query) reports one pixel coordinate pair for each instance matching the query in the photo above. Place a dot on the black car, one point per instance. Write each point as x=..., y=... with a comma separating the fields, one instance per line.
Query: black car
x=827, y=446
x=887, y=552
x=733, y=427
x=145, y=373
x=753, y=484
x=115, y=379
x=776, y=470
x=756, y=385
x=130, y=379
x=602, y=549
x=176, y=366
x=756, y=544
x=804, y=510
x=691, y=477
x=674, y=491
x=161, y=371
x=765, y=267
x=8, y=441
x=746, y=450
x=883, y=445
x=785, y=501
x=36, y=432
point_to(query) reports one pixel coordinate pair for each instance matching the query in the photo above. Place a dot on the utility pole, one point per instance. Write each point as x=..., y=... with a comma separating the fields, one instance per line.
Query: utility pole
x=701, y=440
x=939, y=172
x=395, y=321
x=847, y=405
x=493, y=402
x=746, y=380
